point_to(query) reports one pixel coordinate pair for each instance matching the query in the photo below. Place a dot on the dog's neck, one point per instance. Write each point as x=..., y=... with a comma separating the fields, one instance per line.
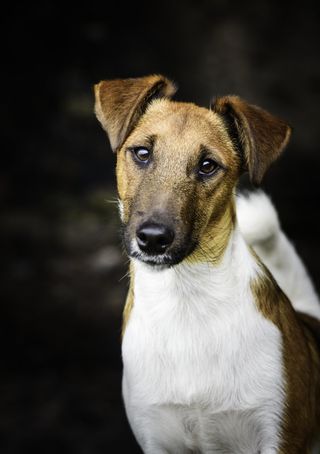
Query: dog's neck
x=201, y=285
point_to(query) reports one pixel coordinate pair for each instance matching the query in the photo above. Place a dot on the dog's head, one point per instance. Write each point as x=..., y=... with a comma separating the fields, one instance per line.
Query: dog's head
x=178, y=164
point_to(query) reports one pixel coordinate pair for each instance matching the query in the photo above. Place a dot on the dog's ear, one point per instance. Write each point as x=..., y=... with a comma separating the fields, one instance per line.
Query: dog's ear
x=120, y=103
x=260, y=136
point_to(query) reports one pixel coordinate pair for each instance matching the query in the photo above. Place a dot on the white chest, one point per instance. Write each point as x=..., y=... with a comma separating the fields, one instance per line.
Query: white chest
x=202, y=367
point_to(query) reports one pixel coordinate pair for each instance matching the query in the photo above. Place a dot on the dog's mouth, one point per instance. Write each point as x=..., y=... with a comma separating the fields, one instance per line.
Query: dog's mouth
x=160, y=261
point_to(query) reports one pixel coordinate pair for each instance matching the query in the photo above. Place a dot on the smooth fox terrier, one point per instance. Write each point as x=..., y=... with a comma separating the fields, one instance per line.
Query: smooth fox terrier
x=220, y=355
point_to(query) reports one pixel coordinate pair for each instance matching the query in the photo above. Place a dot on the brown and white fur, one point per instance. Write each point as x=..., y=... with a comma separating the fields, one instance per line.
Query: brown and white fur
x=216, y=359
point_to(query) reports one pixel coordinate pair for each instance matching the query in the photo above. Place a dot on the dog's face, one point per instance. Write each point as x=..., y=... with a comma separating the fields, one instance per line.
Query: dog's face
x=175, y=173
x=177, y=166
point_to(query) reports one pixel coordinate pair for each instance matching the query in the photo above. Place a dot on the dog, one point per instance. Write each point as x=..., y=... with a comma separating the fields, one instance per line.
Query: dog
x=216, y=358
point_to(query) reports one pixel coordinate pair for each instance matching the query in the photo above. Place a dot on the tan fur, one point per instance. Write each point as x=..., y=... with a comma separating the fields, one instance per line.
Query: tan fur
x=129, y=303
x=301, y=363
x=214, y=239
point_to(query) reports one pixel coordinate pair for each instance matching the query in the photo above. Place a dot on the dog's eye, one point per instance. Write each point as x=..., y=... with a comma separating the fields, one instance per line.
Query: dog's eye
x=141, y=154
x=207, y=167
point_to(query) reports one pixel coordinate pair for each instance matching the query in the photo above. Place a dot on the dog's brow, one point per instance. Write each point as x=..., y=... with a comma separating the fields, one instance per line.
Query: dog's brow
x=151, y=140
x=147, y=141
x=205, y=151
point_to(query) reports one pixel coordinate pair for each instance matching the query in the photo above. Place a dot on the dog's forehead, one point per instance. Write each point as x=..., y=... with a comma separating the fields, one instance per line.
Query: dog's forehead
x=183, y=124
x=180, y=117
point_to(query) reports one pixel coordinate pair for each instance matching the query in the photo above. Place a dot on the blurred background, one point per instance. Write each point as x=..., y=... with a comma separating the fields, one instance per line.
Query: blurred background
x=63, y=280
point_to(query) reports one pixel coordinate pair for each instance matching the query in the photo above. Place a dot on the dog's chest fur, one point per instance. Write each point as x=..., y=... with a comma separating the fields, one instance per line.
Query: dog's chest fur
x=202, y=366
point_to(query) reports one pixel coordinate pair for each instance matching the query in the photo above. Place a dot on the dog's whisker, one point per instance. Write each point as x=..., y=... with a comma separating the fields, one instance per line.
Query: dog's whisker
x=127, y=274
x=115, y=201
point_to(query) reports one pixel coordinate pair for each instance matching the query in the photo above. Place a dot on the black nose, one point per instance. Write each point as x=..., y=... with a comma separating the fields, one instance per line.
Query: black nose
x=154, y=239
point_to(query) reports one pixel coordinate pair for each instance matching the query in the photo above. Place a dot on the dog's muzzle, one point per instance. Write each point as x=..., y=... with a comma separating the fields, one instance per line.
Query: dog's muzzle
x=157, y=243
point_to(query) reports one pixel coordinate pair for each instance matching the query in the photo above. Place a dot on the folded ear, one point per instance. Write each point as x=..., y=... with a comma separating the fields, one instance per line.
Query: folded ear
x=260, y=136
x=120, y=103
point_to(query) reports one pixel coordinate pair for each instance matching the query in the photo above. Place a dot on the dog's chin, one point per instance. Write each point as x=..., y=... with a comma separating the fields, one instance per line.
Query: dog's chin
x=158, y=262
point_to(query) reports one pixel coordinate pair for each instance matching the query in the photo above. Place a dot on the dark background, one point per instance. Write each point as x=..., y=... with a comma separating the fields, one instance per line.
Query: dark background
x=63, y=271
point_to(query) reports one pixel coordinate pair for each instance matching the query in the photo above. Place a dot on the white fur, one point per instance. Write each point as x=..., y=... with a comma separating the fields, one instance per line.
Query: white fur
x=121, y=210
x=259, y=223
x=202, y=366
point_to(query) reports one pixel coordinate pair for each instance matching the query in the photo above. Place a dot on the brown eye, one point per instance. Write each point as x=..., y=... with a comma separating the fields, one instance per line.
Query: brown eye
x=207, y=167
x=142, y=154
